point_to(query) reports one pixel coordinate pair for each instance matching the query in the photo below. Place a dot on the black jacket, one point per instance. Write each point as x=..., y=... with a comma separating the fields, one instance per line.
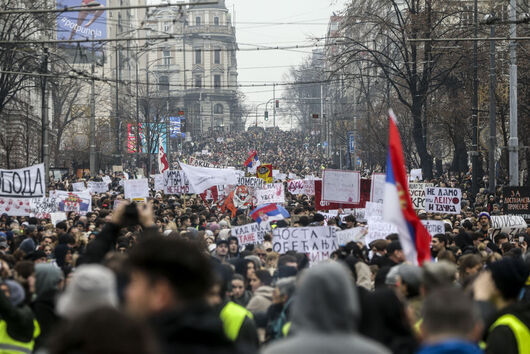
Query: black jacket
x=502, y=340
x=44, y=309
x=194, y=330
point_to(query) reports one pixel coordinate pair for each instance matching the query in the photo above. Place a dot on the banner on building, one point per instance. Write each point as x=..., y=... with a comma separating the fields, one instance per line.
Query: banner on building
x=76, y=25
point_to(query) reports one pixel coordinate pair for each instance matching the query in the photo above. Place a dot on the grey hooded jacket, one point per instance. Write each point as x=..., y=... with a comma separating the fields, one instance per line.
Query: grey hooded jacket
x=325, y=315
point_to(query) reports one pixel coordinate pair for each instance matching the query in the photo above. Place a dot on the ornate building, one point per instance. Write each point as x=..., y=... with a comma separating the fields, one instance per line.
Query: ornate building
x=195, y=72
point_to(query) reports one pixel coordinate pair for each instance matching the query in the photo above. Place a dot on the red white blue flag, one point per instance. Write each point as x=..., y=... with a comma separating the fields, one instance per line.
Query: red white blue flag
x=252, y=162
x=397, y=205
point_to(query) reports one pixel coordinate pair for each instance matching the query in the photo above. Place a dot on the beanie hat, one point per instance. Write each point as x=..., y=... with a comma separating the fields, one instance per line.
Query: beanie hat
x=484, y=214
x=17, y=293
x=509, y=275
x=92, y=286
x=221, y=241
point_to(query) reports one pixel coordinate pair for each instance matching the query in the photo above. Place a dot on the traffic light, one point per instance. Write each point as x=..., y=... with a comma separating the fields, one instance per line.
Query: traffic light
x=277, y=103
x=266, y=115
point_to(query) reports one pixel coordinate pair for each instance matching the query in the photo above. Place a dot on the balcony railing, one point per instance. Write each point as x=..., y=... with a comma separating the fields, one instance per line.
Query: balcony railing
x=222, y=29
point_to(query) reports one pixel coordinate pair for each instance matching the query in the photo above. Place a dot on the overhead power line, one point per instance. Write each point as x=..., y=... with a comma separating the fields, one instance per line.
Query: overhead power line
x=97, y=8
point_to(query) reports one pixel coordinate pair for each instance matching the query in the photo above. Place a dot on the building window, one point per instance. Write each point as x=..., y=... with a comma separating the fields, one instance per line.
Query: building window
x=217, y=56
x=198, y=81
x=197, y=21
x=218, y=109
x=167, y=56
x=217, y=81
x=198, y=54
x=163, y=83
x=216, y=21
x=167, y=26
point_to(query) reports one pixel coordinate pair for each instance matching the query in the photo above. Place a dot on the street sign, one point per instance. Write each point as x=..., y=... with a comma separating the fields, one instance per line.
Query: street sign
x=351, y=142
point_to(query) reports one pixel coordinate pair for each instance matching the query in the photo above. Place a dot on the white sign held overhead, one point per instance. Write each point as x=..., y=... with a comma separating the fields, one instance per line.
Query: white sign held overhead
x=416, y=175
x=378, y=230
x=350, y=235
x=341, y=186
x=80, y=202
x=78, y=186
x=270, y=193
x=251, y=234
x=136, y=188
x=377, y=188
x=434, y=226
x=442, y=200
x=417, y=194
x=158, y=182
x=301, y=186
x=510, y=224
x=202, y=178
x=28, y=182
x=319, y=242
x=176, y=182
x=97, y=187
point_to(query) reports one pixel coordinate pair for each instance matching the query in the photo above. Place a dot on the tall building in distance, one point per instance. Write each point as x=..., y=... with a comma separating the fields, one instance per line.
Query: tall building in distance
x=194, y=72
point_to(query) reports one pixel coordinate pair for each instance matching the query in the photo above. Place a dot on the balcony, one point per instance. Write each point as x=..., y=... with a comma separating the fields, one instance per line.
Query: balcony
x=210, y=29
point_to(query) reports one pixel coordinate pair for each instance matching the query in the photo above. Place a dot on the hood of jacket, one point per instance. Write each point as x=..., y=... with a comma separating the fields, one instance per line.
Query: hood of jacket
x=326, y=301
x=264, y=291
x=47, y=277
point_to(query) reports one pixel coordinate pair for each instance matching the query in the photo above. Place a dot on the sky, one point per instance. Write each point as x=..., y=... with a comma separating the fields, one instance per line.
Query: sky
x=257, y=23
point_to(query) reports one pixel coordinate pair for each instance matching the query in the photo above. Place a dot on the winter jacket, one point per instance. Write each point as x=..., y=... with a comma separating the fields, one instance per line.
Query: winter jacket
x=501, y=339
x=451, y=347
x=325, y=315
x=243, y=300
x=195, y=330
x=261, y=300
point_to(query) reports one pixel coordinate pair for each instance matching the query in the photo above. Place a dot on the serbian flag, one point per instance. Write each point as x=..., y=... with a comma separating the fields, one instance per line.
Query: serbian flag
x=269, y=212
x=252, y=162
x=162, y=158
x=397, y=205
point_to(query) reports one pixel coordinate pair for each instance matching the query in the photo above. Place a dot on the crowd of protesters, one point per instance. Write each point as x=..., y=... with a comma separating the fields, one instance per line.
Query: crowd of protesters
x=166, y=276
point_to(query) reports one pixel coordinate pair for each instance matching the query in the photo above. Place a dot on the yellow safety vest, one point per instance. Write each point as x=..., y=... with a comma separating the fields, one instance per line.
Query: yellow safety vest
x=518, y=328
x=286, y=328
x=10, y=346
x=233, y=316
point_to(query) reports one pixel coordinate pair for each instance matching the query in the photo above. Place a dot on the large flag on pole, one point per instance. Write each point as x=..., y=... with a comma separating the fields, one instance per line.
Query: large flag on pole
x=397, y=205
x=162, y=158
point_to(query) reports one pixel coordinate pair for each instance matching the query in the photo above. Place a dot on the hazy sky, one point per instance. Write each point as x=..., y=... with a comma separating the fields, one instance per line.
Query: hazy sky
x=257, y=24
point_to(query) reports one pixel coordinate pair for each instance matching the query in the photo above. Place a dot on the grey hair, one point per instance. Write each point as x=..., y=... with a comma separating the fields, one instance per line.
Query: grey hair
x=286, y=286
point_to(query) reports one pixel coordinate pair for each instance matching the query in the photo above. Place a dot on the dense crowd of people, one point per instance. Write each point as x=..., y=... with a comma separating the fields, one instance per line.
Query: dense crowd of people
x=167, y=276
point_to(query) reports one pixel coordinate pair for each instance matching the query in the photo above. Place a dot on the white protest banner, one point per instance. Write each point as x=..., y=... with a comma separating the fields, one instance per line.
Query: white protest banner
x=281, y=177
x=301, y=186
x=202, y=178
x=107, y=179
x=43, y=207
x=80, y=202
x=292, y=176
x=15, y=206
x=251, y=234
x=377, y=188
x=510, y=224
x=341, y=186
x=270, y=193
x=328, y=216
x=373, y=211
x=442, y=200
x=97, y=187
x=434, y=226
x=253, y=182
x=360, y=214
x=57, y=217
x=318, y=242
x=136, y=188
x=416, y=175
x=275, y=173
x=350, y=235
x=175, y=182
x=378, y=230
x=78, y=186
x=417, y=194
x=28, y=182
x=159, y=182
